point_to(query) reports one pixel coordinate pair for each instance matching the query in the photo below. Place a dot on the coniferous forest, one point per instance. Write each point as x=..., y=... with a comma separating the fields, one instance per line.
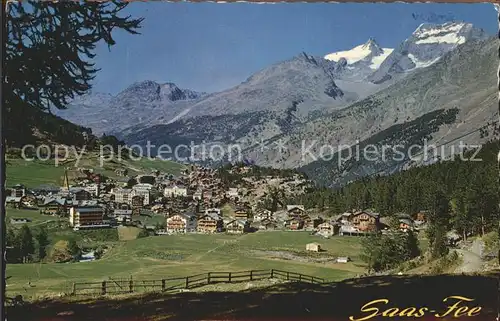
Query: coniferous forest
x=464, y=194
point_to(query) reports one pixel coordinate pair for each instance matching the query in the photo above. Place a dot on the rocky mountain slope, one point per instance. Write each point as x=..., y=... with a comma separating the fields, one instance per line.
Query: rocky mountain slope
x=455, y=96
x=454, y=102
x=309, y=84
x=142, y=104
x=275, y=88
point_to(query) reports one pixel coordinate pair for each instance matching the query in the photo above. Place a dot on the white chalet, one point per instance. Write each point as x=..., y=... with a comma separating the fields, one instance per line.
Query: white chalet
x=198, y=195
x=262, y=215
x=237, y=226
x=124, y=195
x=146, y=196
x=232, y=193
x=213, y=211
x=326, y=229
x=175, y=190
x=92, y=189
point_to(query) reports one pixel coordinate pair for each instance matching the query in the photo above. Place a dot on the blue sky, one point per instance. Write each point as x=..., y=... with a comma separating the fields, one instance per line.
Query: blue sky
x=212, y=47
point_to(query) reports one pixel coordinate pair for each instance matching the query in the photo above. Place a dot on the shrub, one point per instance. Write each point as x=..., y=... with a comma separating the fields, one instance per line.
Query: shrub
x=445, y=263
x=60, y=252
x=491, y=241
x=143, y=233
x=102, y=235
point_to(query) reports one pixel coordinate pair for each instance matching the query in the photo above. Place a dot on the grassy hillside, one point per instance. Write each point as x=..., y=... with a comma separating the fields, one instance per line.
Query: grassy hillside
x=33, y=174
x=37, y=172
x=34, y=215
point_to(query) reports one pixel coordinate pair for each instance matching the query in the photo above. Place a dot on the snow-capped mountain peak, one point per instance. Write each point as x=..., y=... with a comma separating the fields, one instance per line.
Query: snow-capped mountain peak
x=426, y=45
x=429, y=42
x=372, y=46
x=369, y=52
x=451, y=33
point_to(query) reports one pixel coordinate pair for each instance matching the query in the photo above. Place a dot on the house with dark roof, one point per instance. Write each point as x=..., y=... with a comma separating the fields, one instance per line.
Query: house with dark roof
x=262, y=214
x=54, y=205
x=422, y=216
x=406, y=224
x=122, y=215
x=18, y=190
x=294, y=223
x=295, y=210
x=210, y=223
x=45, y=189
x=241, y=213
x=268, y=224
x=311, y=223
x=237, y=227
x=79, y=194
x=360, y=222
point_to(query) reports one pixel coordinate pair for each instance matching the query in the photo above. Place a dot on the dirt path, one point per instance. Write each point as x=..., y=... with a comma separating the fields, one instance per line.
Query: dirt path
x=471, y=257
x=225, y=243
x=471, y=262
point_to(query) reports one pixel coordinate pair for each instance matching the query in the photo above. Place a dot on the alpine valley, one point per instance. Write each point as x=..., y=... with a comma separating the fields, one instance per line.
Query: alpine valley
x=436, y=86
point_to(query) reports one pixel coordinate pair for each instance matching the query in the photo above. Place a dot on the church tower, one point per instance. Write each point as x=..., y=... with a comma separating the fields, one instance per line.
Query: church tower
x=65, y=187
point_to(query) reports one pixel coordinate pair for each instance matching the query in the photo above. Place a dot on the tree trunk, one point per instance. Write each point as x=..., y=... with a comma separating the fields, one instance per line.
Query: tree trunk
x=482, y=224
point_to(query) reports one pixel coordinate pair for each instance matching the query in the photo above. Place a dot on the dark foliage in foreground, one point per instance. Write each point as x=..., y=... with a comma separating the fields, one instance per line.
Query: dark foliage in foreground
x=46, y=60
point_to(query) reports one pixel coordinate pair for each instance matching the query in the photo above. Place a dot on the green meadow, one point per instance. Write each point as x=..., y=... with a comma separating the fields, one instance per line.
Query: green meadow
x=183, y=255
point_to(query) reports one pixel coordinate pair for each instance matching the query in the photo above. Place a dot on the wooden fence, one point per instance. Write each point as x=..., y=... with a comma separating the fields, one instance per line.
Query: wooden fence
x=122, y=286
x=292, y=276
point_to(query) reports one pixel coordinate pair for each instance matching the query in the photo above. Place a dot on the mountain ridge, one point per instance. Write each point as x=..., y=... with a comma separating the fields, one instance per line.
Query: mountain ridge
x=423, y=92
x=333, y=102
x=142, y=103
x=339, y=83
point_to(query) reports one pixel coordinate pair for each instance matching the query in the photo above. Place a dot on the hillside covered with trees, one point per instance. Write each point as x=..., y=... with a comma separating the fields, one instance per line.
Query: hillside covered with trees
x=467, y=190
